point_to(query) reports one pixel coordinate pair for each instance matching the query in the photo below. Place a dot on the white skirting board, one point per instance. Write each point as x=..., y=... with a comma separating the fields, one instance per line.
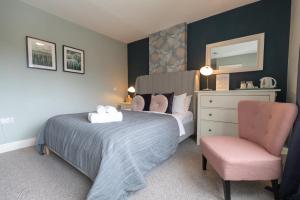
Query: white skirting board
x=17, y=145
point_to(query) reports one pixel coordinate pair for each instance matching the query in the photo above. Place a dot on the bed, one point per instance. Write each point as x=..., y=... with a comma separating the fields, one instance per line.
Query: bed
x=117, y=155
x=177, y=82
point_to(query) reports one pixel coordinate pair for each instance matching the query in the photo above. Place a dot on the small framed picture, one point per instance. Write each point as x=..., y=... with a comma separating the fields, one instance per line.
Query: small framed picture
x=222, y=82
x=73, y=60
x=41, y=54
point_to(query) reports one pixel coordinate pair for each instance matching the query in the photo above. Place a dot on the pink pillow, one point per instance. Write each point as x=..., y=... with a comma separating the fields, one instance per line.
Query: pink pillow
x=138, y=103
x=159, y=103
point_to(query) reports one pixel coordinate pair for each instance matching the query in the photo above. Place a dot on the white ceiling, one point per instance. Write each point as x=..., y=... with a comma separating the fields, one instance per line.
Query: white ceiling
x=130, y=20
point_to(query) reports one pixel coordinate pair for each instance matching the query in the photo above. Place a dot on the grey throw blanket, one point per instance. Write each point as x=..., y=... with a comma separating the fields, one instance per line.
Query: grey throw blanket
x=115, y=155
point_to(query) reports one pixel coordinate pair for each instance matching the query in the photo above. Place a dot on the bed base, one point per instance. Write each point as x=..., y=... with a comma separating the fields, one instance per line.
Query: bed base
x=46, y=150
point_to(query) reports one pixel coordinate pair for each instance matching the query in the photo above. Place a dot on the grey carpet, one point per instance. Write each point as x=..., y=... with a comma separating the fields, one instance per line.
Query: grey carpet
x=25, y=175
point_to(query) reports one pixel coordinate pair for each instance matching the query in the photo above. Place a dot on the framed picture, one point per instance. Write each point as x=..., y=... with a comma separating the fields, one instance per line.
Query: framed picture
x=222, y=82
x=73, y=60
x=41, y=54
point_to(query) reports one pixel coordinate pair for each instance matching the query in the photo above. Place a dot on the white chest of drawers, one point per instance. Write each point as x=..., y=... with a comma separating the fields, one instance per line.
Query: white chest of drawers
x=217, y=110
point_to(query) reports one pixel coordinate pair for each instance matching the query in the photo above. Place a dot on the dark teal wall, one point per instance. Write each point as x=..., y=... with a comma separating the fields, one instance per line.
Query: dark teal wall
x=138, y=60
x=269, y=16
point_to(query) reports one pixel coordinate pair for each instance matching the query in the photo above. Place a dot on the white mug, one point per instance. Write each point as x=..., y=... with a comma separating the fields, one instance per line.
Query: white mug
x=243, y=85
x=250, y=84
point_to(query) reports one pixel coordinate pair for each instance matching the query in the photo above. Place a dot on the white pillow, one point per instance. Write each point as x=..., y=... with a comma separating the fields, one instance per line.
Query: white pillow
x=187, y=103
x=178, y=103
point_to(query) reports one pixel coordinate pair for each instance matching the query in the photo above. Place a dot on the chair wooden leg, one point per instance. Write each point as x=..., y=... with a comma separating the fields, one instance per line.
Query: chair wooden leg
x=275, y=188
x=204, y=162
x=226, y=186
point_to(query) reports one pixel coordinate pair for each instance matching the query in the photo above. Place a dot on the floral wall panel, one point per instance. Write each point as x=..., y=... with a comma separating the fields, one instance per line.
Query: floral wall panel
x=168, y=50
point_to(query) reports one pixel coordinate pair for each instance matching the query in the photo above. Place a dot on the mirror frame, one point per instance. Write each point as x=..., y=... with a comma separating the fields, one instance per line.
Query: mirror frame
x=260, y=52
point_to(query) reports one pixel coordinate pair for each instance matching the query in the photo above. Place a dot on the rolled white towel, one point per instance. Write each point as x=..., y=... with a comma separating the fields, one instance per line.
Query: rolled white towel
x=101, y=109
x=105, y=118
x=110, y=109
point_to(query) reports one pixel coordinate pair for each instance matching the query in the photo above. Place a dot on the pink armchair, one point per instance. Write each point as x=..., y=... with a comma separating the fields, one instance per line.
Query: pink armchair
x=256, y=154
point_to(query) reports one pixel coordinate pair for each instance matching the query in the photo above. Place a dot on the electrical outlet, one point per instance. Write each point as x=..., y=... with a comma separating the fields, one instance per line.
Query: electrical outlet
x=7, y=120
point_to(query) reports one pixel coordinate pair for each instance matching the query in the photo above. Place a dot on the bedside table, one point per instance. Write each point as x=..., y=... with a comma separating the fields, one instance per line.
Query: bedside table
x=125, y=106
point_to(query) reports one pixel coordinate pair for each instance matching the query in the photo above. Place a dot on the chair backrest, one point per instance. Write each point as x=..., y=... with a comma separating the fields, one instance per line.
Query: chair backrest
x=266, y=123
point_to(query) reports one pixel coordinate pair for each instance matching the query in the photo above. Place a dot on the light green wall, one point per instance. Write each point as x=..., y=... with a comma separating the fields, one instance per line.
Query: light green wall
x=31, y=96
x=293, y=52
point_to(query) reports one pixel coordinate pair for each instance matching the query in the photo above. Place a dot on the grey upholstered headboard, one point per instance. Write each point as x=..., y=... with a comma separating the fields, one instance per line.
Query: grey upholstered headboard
x=177, y=82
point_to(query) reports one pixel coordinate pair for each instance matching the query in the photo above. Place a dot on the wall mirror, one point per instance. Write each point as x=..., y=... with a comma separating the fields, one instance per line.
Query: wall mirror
x=237, y=55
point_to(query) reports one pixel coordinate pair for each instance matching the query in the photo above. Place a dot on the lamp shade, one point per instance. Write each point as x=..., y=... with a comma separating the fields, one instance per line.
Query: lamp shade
x=131, y=89
x=206, y=71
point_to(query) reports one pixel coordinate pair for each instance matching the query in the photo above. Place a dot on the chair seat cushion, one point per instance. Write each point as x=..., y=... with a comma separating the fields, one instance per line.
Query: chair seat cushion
x=239, y=159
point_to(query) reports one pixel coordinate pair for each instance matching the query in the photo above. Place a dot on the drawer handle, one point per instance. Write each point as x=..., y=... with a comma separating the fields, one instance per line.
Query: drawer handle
x=210, y=114
x=209, y=130
x=210, y=101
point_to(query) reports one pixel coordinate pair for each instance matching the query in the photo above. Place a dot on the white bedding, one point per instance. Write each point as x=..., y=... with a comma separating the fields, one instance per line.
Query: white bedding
x=181, y=118
x=185, y=117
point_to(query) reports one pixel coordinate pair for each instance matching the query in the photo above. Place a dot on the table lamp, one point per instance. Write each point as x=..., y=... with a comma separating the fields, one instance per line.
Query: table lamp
x=131, y=92
x=206, y=71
